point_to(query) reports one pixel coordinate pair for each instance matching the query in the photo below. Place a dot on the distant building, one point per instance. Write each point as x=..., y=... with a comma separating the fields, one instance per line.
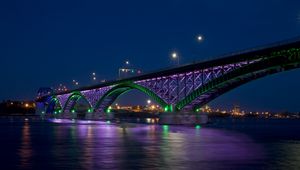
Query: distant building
x=236, y=110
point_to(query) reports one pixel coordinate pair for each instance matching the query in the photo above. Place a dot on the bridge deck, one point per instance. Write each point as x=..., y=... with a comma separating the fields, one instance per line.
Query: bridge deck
x=225, y=59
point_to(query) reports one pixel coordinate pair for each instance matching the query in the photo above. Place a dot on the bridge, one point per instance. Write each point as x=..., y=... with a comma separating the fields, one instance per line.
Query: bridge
x=186, y=88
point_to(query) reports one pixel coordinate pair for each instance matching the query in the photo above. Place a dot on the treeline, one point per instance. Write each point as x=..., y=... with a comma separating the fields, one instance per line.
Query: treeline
x=9, y=107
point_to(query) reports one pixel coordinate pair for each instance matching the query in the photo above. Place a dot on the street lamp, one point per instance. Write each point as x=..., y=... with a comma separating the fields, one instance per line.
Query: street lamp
x=94, y=75
x=175, y=57
x=199, y=37
x=127, y=62
x=148, y=101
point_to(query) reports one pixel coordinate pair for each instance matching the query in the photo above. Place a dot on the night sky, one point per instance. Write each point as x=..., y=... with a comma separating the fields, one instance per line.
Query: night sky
x=45, y=43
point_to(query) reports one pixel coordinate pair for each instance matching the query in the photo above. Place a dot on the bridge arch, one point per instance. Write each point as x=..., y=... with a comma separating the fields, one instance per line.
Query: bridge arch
x=109, y=97
x=53, y=102
x=278, y=62
x=73, y=99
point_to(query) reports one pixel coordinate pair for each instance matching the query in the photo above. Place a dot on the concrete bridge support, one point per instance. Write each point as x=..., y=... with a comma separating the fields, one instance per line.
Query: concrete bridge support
x=179, y=118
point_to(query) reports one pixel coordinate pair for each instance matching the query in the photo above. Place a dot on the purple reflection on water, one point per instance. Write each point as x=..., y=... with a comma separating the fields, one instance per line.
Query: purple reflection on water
x=75, y=121
x=137, y=146
x=88, y=145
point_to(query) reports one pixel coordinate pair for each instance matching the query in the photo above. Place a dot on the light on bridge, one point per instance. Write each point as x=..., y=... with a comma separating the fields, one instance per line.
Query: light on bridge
x=197, y=126
x=199, y=37
x=174, y=55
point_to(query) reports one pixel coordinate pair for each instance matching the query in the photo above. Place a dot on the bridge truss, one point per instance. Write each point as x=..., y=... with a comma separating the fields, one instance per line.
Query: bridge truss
x=186, y=88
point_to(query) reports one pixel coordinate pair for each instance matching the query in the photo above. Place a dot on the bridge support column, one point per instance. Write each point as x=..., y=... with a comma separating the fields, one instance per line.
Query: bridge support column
x=180, y=118
x=68, y=115
x=90, y=116
x=40, y=108
x=99, y=116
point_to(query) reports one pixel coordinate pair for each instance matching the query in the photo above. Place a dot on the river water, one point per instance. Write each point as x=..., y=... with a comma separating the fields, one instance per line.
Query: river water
x=226, y=144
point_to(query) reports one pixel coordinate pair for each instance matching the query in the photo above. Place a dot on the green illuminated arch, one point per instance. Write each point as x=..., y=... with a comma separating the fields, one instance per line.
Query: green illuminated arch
x=276, y=62
x=125, y=87
x=54, y=100
x=77, y=95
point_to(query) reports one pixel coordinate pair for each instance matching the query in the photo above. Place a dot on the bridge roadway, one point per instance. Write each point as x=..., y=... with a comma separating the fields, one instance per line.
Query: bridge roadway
x=186, y=88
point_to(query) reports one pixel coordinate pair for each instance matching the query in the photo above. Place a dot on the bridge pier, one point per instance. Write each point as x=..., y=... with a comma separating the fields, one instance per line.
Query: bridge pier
x=98, y=115
x=181, y=118
x=66, y=115
x=40, y=108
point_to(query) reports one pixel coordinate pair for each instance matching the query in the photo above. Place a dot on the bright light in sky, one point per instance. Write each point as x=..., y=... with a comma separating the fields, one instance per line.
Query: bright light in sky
x=174, y=55
x=199, y=38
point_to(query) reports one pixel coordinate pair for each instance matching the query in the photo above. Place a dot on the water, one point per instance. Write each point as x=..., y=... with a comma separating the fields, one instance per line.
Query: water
x=230, y=144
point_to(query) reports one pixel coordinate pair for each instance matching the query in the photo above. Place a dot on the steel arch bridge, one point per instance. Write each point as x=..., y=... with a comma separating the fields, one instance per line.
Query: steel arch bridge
x=186, y=88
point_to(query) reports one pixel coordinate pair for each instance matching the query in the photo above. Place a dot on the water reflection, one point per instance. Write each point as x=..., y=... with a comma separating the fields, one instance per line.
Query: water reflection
x=139, y=146
x=136, y=146
x=25, y=151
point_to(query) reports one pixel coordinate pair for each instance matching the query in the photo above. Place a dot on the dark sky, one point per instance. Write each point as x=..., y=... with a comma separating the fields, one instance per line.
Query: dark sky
x=45, y=43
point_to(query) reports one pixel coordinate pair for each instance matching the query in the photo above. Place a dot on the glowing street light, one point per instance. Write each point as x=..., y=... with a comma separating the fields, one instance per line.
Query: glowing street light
x=94, y=76
x=175, y=57
x=148, y=101
x=199, y=37
x=76, y=83
x=127, y=62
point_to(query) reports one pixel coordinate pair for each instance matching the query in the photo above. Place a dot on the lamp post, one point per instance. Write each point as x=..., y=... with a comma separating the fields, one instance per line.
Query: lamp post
x=199, y=38
x=175, y=57
x=124, y=69
x=94, y=76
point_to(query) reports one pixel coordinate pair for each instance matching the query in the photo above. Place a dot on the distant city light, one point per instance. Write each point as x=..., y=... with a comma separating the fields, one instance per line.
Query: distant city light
x=94, y=74
x=149, y=101
x=127, y=62
x=94, y=78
